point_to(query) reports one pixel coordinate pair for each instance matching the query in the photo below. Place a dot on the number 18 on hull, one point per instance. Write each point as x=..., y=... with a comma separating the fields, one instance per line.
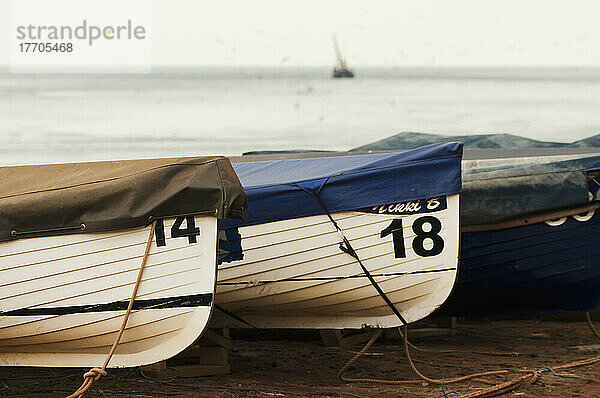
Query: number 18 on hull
x=293, y=274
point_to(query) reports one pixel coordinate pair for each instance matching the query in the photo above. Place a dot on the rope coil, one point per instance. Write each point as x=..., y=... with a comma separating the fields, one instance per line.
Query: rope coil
x=529, y=378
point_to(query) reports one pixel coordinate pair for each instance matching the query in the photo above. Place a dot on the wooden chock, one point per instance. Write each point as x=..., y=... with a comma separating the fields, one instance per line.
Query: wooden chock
x=209, y=357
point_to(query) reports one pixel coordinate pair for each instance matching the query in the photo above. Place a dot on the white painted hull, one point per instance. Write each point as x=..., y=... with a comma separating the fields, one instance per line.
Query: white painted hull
x=62, y=298
x=293, y=274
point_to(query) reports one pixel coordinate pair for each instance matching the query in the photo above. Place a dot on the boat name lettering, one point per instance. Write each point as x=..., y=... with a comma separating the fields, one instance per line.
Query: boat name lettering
x=191, y=231
x=411, y=207
x=433, y=204
x=399, y=207
x=581, y=217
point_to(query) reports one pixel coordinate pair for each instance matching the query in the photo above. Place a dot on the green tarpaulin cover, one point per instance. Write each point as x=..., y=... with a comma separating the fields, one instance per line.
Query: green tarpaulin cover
x=114, y=195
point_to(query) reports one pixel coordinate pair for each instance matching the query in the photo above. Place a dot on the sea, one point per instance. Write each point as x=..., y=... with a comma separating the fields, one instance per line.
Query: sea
x=55, y=118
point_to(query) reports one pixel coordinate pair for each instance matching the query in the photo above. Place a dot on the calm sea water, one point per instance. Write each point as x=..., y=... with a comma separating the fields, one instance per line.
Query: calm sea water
x=63, y=118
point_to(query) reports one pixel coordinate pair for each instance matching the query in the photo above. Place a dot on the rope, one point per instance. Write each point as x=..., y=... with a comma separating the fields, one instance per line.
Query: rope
x=567, y=376
x=591, y=324
x=95, y=373
x=412, y=365
x=445, y=393
x=490, y=353
x=530, y=376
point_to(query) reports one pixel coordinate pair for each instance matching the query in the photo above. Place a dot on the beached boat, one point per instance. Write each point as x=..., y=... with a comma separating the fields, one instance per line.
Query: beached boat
x=529, y=241
x=72, y=240
x=297, y=260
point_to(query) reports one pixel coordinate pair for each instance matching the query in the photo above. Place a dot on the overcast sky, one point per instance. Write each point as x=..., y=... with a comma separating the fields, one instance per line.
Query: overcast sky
x=373, y=33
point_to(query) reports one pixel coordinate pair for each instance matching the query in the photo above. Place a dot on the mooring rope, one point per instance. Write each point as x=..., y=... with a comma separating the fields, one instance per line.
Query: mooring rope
x=95, y=373
x=412, y=365
x=591, y=325
x=346, y=247
x=530, y=376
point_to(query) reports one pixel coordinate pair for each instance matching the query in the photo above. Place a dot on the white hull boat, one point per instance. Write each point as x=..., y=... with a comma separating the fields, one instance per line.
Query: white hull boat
x=290, y=272
x=293, y=274
x=63, y=297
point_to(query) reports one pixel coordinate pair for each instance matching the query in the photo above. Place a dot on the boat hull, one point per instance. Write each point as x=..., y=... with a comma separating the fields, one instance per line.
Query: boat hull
x=540, y=268
x=63, y=298
x=338, y=73
x=292, y=273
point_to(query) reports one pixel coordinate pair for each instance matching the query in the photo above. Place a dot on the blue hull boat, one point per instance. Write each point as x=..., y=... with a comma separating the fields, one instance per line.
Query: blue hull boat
x=541, y=268
x=530, y=237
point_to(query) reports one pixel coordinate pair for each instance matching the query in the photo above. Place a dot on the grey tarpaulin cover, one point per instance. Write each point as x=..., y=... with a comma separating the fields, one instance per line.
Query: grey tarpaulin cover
x=500, y=190
x=115, y=194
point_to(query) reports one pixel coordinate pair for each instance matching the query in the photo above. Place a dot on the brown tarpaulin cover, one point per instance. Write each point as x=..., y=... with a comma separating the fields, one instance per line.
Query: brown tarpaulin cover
x=59, y=198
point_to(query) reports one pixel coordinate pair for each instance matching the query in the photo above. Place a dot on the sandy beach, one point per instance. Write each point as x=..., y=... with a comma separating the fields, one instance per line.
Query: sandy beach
x=283, y=363
x=245, y=199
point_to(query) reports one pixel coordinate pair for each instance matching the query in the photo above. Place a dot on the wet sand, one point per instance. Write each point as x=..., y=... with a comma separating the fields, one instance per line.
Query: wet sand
x=295, y=364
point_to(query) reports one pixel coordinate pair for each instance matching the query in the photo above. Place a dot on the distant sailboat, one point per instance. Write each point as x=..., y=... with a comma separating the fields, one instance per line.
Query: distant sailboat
x=341, y=69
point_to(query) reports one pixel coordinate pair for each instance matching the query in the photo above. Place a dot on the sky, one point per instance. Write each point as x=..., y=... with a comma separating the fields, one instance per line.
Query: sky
x=374, y=33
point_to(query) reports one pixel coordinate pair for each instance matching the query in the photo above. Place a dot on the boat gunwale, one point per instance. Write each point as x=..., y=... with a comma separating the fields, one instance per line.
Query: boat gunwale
x=531, y=220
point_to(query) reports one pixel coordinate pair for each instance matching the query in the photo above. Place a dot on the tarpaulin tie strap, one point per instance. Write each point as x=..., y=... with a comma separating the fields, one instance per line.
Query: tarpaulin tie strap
x=234, y=316
x=347, y=248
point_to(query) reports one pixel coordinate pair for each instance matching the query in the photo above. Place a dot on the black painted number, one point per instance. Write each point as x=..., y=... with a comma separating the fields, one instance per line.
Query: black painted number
x=418, y=243
x=159, y=231
x=190, y=230
x=395, y=228
x=419, y=240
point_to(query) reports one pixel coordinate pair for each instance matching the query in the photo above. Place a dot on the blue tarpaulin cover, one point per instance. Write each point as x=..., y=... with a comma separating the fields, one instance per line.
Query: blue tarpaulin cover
x=284, y=189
